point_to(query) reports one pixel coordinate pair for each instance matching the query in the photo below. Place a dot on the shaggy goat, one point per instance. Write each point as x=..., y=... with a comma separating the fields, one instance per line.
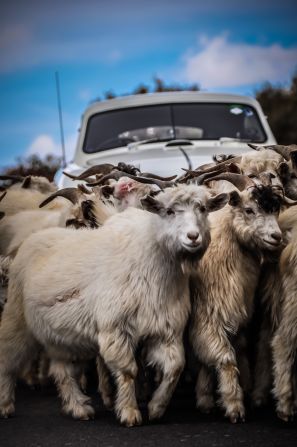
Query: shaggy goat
x=278, y=335
x=224, y=287
x=77, y=293
x=26, y=195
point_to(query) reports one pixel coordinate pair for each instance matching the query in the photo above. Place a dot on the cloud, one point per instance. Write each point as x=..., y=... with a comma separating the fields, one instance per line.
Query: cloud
x=45, y=144
x=221, y=63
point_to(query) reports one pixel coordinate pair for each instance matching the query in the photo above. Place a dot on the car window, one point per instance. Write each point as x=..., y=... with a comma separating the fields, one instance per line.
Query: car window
x=192, y=121
x=221, y=120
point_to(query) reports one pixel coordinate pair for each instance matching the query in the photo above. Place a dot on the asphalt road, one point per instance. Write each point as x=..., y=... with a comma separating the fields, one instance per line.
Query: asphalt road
x=38, y=423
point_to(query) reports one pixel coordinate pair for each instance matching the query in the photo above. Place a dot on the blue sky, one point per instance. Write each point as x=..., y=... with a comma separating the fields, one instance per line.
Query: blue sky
x=229, y=46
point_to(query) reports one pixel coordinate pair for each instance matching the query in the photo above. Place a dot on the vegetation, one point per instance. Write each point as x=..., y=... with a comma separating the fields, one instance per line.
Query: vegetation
x=280, y=106
x=158, y=87
x=34, y=165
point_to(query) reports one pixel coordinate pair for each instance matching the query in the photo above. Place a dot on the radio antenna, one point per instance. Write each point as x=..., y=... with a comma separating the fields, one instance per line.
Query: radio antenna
x=60, y=119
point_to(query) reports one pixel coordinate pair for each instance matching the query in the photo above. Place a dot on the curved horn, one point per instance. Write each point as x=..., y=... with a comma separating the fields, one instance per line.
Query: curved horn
x=84, y=189
x=288, y=202
x=221, y=163
x=17, y=178
x=240, y=181
x=116, y=175
x=3, y=195
x=213, y=170
x=103, y=169
x=203, y=177
x=158, y=177
x=254, y=146
x=226, y=168
x=284, y=151
x=153, y=181
x=71, y=194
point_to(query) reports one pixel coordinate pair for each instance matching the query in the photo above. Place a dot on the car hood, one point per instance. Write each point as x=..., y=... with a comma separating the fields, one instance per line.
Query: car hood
x=167, y=159
x=159, y=158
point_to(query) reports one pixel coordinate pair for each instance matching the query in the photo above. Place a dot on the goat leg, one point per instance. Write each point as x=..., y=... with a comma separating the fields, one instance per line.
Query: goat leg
x=170, y=359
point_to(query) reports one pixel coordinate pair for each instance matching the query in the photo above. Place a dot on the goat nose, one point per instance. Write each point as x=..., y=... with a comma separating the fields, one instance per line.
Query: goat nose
x=193, y=235
x=276, y=236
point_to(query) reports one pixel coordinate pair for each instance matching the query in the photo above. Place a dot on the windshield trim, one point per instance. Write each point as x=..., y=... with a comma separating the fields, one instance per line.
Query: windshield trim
x=170, y=106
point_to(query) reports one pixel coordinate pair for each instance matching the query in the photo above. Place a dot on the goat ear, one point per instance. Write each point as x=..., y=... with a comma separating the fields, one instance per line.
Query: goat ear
x=283, y=170
x=154, y=206
x=27, y=182
x=107, y=191
x=155, y=193
x=234, y=198
x=217, y=202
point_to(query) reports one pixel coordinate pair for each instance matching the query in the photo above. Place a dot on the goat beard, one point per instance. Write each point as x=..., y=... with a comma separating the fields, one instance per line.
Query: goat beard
x=189, y=261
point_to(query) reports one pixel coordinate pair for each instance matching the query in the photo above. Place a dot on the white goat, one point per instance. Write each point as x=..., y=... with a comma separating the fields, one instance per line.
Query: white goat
x=77, y=292
x=26, y=195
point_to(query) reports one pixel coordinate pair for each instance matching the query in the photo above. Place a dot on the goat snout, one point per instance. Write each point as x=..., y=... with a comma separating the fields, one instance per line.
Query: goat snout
x=276, y=236
x=193, y=235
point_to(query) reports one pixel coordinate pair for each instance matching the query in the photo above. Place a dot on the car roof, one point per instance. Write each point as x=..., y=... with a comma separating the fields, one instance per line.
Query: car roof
x=167, y=98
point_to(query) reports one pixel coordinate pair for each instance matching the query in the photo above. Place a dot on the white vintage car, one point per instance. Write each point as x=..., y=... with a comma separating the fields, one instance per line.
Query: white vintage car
x=165, y=132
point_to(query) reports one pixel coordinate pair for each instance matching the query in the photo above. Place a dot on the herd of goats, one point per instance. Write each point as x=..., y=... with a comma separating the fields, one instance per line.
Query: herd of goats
x=151, y=276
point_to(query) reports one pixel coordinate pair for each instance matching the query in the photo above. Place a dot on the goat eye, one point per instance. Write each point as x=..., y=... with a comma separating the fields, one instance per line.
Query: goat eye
x=272, y=175
x=202, y=208
x=249, y=211
x=170, y=211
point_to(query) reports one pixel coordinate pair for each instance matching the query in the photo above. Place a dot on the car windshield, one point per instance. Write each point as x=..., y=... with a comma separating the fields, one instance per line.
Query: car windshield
x=191, y=121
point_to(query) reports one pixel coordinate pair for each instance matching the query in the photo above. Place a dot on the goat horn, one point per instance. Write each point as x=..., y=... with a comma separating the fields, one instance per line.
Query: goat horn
x=71, y=194
x=84, y=189
x=227, y=168
x=158, y=177
x=203, y=177
x=103, y=169
x=3, y=195
x=254, y=146
x=288, y=202
x=285, y=151
x=17, y=178
x=221, y=163
x=218, y=168
x=153, y=181
x=211, y=168
x=116, y=175
x=240, y=181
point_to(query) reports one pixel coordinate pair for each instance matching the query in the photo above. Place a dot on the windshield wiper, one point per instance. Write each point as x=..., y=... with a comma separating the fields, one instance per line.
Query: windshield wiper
x=236, y=140
x=156, y=140
x=134, y=145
